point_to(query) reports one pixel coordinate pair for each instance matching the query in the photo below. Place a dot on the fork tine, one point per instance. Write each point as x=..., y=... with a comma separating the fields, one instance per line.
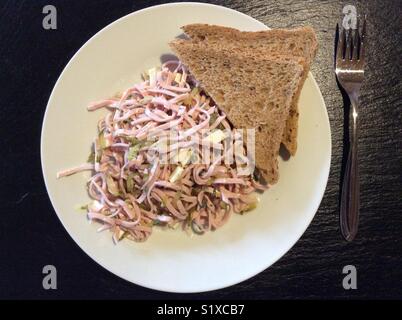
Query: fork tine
x=363, y=41
x=340, y=45
x=356, y=40
x=348, y=51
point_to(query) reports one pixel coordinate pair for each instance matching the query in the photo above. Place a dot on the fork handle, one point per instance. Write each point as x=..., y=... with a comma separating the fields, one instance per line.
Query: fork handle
x=350, y=196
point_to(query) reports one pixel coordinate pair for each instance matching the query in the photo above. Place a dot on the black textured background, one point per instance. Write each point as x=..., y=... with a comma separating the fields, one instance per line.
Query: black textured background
x=31, y=235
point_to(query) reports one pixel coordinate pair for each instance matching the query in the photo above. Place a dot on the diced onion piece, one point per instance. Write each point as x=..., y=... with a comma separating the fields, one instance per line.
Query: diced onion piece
x=160, y=145
x=112, y=186
x=121, y=234
x=184, y=156
x=104, y=142
x=176, y=174
x=152, y=76
x=177, y=79
x=95, y=206
x=216, y=136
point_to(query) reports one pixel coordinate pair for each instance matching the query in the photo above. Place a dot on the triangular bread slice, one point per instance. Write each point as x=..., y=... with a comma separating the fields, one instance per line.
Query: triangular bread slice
x=298, y=44
x=253, y=92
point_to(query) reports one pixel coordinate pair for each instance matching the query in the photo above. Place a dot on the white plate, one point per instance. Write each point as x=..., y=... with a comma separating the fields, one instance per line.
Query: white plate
x=171, y=260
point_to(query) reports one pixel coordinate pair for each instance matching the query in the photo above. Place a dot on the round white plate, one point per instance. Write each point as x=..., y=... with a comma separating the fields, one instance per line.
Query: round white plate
x=171, y=260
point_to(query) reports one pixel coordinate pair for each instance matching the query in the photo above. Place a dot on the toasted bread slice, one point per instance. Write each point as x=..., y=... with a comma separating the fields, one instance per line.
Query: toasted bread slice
x=298, y=44
x=253, y=92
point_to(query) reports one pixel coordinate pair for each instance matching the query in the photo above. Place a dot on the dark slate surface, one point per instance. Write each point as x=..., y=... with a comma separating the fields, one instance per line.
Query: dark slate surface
x=31, y=235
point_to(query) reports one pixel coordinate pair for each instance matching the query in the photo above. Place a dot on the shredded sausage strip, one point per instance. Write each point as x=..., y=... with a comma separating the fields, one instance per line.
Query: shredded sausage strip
x=133, y=189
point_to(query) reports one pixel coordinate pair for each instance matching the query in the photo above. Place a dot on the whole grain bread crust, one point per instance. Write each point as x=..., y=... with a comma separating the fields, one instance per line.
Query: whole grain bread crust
x=276, y=43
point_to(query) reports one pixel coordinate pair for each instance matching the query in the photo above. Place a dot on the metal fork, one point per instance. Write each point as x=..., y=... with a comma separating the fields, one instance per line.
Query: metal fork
x=349, y=69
